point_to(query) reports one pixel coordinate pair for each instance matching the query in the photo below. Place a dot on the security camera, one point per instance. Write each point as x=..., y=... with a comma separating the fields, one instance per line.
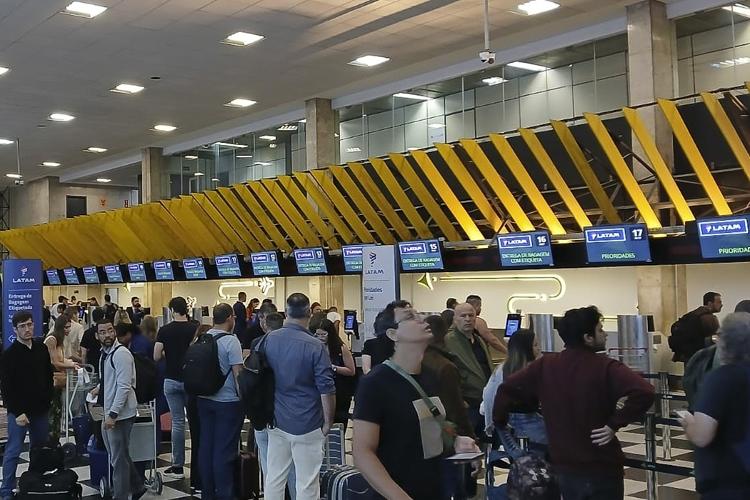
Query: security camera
x=487, y=57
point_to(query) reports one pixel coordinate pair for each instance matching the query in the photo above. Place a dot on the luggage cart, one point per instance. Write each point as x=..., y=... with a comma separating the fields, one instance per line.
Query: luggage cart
x=77, y=385
x=143, y=447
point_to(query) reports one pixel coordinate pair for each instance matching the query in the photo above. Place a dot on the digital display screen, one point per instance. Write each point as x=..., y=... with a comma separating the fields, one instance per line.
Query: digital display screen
x=310, y=260
x=71, y=278
x=531, y=248
x=420, y=255
x=90, y=275
x=163, y=270
x=265, y=263
x=621, y=243
x=114, y=275
x=512, y=324
x=137, y=271
x=352, y=258
x=724, y=237
x=350, y=317
x=228, y=266
x=194, y=269
x=52, y=277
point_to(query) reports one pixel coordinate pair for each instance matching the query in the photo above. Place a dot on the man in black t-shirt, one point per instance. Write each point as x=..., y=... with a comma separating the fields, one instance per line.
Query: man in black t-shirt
x=240, y=314
x=91, y=348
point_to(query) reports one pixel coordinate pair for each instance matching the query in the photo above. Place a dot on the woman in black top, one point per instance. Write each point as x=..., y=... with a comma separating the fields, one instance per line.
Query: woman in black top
x=342, y=363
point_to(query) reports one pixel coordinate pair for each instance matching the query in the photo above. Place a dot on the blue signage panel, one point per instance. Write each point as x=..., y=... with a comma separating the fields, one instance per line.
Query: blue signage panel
x=114, y=275
x=137, y=271
x=352, y=258
x=91, y=275
x=620, y=243
x=53, y=278
x=525, y=249
x=310, y=260
x=265, y=263
x=725, y=237
x=228, y=266
x=194, y=269
x=22, y=291
x=71, y=277
x=163, y=270
x=420, y=255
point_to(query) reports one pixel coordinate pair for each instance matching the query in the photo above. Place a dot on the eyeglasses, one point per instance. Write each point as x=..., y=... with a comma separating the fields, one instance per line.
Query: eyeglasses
x=28, y=324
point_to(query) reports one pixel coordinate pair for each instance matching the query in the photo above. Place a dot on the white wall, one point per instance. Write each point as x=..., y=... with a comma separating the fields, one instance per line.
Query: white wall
x=730, y=280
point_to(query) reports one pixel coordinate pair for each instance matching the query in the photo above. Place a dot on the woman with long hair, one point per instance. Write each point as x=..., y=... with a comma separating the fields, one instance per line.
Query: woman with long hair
x=54, y=342
x=149, y=327
x=342, y=363
x=122, y=317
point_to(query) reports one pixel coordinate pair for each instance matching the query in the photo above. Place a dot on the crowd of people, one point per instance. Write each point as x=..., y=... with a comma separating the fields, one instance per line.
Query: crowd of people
x=429, y=388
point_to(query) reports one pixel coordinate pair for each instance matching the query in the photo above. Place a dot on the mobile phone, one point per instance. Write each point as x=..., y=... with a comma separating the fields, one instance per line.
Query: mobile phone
x=680, y=413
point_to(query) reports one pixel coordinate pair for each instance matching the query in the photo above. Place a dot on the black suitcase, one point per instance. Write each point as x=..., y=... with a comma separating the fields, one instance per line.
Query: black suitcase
x=61, y=484
x=46, y=458
x=247, y=475
x=345, y=482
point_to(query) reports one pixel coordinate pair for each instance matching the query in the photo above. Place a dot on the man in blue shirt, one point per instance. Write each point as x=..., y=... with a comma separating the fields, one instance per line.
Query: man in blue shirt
x=305, y=400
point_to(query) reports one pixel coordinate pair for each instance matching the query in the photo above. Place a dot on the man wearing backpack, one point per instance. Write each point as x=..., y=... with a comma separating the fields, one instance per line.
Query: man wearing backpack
x=693, y=331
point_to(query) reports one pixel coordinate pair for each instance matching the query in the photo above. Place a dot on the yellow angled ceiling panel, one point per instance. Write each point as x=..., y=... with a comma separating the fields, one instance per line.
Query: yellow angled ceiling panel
x=246, y=218
x=452, y=203
x=127, y=235
x=59, y=239
x=219, y=242
x=100, y=230
x=329, y=189
x=404, y=168
x=658, y=164
x=278, y=194
x=163, y=247
x=497, y=184
x=231, y=217
x=308, y=210
x=355, y=194
x=275, y=210
x=197, y=234
x=140, y=230
x=586, y=172
x=402, y=200
x=629, y=183
x=221, y=223
x=173, y=229
x=681, y=132
x=324, y=205
x=380, y=201
x=260, y=213
x=728, y=131
x=470, y=185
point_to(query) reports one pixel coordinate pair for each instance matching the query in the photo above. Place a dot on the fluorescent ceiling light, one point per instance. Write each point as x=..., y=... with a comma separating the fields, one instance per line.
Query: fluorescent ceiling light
x=404, y=95
x=242, y=39
x=369, y=61
x=215, y=180
x=3, y=70
x=353, y=150
x=5, y=142
x=83, y=9
x=198, y=174
x=436, y=125
x=191, y=157
x=739, y=61
x=50, y=164
x=739, y=9
x=243, y=156
x=230, y=145
x=494, y=80
x=61, y=117
x=94, y=149
x=103, y=180
x=304, y=120
x=127, y=88
x=164, y=128
x=267, y=137
x=272, y=146
x=14, y=176
x=262, y=164
x=527, y=66
x=535, y=7
x=287, y=128
x=240, y=103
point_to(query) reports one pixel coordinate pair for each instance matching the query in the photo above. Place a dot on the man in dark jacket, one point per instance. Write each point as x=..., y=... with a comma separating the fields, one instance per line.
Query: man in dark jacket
x=26, y=378
x=696, y=328
x=240, y=314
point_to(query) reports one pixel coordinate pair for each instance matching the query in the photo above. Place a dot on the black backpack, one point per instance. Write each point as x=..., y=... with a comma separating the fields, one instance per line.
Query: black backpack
x=687, y=335
x=257, y=386
x=201, y=372
x=145, y=376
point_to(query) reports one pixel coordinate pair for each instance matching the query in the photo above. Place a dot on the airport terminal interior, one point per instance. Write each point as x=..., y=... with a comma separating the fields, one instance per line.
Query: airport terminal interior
x=544, y=155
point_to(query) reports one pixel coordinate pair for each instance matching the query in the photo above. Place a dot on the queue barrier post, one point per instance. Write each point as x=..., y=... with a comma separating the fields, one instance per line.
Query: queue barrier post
x=666, y=430
x=652, y=489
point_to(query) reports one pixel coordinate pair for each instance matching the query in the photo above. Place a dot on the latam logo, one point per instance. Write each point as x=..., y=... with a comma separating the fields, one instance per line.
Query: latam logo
x=304, y=255
x=160, y=265
x=517, y=241
x=412, y=248
x=723, y=227
x=88, y=271
x=192, y=263
x=605, y=235
x=23, y=280
x=261, y=258
x=373, y=258
x=24, y=270
x=135, y=267
x=353, y=252
x=223, y=261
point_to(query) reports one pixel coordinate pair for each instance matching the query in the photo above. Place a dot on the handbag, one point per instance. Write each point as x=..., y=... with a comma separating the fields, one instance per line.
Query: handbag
x=448, y=431
x=59, y=380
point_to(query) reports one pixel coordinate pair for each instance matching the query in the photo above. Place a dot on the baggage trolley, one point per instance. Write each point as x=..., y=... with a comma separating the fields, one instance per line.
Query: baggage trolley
x=143, y=447
x=77, y=385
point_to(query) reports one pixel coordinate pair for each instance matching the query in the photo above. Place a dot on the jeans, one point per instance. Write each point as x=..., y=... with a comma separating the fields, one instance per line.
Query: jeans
x=305, y=452
x=38, y=429
x=586, y=487
x=261, y=441
x=126, y=480
x=221, y=424
x=529, y=425
x=176, y=396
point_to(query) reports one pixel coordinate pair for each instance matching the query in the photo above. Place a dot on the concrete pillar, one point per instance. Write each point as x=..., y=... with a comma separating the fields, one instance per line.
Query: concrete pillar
x=154, y=177
x=320, y=141
x=662, y=293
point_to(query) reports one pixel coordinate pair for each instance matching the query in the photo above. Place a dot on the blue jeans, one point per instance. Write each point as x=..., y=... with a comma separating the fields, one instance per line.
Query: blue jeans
x=529, y=425
x=38, y=430
x=176, y=396
x=221, y=424
x=261, y=441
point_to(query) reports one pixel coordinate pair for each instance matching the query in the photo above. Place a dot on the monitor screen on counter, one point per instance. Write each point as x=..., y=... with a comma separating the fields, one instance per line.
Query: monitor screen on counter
x=424, y=255
x=194, y=269
x=114, y=274
x=613, y=244
x=137, y=271
x=53, y=277
x=526, y=249
x=228, y=266
x=265, y=263
x=310, y=260
x=71, y=277
x=352, y=255
x=163, y=270
x=91, y=275
x=724, y=237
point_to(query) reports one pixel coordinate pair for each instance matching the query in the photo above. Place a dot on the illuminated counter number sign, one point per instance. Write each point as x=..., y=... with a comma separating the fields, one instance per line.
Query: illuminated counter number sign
x=265, y=263
x=228, y=266
x=163, y=270
x=525, y=249
x=71, y=277
x=421, y=255
x=137, y=271
x=194, y=269
x=352, y=258
x=613, y=244
x=113, y=273
x=53, y=277
x=90, y=275
x=310, y=261
x=725, y=237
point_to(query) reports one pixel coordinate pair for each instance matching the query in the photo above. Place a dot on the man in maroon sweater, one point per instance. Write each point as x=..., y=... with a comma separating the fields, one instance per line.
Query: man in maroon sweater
x=579, y=392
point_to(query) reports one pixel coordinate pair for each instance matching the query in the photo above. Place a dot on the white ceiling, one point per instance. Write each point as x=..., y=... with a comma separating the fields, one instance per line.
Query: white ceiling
x=64, y=63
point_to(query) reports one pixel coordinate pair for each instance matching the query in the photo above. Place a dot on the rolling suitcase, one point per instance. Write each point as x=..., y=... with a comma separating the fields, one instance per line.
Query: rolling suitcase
x=345, y=483
x=247, y=475
x=46, y=458
x=60, y=484
x=334, y=453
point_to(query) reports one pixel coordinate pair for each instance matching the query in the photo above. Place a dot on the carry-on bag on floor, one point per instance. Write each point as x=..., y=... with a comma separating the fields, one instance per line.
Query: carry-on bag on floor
x=334, y=452
x=61, y=484
x=47, y=457
x=248, y=471
x=98, y=462
x=345, y=482
x=82, y=431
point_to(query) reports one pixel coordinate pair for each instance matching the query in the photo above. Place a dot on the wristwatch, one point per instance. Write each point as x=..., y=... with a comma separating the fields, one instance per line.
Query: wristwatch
x=113, y=415
x=334, y=368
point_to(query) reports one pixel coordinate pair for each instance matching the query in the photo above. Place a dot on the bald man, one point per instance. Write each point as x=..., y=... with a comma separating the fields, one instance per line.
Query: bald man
x=483, y=329
x=472, y=358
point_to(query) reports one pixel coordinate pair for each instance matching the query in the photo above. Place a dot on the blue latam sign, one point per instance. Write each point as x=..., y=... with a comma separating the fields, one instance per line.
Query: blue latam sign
x=621, y=243
x=528, y=249
x=725, y=237
x=420, y=255
x=22, y=291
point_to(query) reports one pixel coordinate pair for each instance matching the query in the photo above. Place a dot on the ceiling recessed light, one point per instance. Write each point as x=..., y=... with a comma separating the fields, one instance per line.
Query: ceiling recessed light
x=83, y=9
x=272, y=146
x=353, y=150
x=739, y=61
x=215, y=180
x=369, y=61
x=535, y=7
x=242, y=39
x=230, y=145
x=61, y=117
x=5, y=142
x=287, y=128
x=739, y=9
x=3, y=70
x=262, y=164
x=14, y=176
x=416, y=97
x=527, y=66
x=304, y=120
x=267, y=137
x=436, y=125
x=103, y=180
x=191, y=157
x=94, y=149
x=50, y=164
x=494, y=80
x=127, y=88
x=161, y=127
x=240, y=103
x=198, y=174
x=244, y=156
